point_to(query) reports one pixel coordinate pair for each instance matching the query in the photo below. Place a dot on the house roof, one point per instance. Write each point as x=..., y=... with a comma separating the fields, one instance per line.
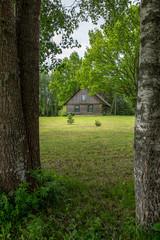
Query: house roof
x=71, y=97
x=97, y=95
x=104, y=101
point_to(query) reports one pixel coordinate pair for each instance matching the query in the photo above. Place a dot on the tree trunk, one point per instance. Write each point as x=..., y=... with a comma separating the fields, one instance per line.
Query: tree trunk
x=14, y=154
x=19, y=79
x=28, y=24
x=147, y=125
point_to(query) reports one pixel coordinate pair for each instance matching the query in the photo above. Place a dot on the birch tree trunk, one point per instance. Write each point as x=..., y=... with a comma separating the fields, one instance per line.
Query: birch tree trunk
x=14, y=154
x=147, y=125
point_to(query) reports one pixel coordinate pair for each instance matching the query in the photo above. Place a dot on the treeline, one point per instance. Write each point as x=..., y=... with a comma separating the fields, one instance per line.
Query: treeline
x=48, y=102
x=109, y=68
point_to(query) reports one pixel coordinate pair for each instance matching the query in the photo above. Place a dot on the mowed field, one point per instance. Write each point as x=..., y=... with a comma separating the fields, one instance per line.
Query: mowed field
x=95, y=165
x=89, y=153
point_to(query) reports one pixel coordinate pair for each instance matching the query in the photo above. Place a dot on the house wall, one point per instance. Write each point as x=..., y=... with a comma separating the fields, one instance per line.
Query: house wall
x=77, y=98
x=90, y=100
x=97, y=110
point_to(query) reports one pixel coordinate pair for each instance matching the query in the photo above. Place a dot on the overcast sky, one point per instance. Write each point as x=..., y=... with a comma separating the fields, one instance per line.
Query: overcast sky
x=81, y=34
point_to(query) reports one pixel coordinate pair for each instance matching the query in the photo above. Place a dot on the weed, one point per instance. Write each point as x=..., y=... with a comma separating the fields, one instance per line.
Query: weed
x=26, y=203
x=98, y=123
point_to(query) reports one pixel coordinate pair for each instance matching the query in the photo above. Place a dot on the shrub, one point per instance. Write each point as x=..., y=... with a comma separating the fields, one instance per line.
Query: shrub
x=70, y=119
x=64, y=115
x=98, y=123
x=62, y=111
x=26, y=204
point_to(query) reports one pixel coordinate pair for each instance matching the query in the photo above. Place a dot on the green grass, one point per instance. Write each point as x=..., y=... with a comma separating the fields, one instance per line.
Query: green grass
x=90, y=153
x=86, y=191
x=99, y=161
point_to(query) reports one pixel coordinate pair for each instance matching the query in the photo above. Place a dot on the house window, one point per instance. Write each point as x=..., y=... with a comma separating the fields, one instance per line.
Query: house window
x=90, y=108
x=76, y=108
x=83, y=97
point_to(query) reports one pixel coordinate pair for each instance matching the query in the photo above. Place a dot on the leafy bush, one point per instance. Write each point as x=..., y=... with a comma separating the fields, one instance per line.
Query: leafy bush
x=70, y=119
x=64, y=115
x=156, y=228
x=63, y=111
x=53, y=211
x=98, y=123
x=25, y=203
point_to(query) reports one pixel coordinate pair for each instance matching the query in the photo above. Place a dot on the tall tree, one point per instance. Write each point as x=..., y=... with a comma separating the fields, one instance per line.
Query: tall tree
x=147, y=125
x=56, y=20
x=48, y=102
x=113, y=57
x=18, y=118
x=28, y=25
x=64, y=81
x=19, y=81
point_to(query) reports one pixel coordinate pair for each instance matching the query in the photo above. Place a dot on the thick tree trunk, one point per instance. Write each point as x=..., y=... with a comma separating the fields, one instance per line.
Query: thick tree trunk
x=14, y=154
x=28, y=24
x=147, y=125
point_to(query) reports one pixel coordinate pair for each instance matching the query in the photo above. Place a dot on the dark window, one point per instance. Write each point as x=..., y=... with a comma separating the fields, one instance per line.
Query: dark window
x=83, y=97
x=90, y=108
x=76, y=108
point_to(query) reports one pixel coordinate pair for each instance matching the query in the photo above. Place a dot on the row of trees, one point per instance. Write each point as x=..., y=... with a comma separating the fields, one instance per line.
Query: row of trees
x=48, y=102
x=109, y=66
x=57, y=88
x=19, y=108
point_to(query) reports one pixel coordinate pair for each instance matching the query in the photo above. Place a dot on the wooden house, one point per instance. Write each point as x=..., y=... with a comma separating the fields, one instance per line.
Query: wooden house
x=81, y=103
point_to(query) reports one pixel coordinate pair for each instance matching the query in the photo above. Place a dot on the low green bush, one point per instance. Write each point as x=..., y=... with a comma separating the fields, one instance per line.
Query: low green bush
x=27, y=203
x=70, y=119
x=98, y=123
x=64, y=115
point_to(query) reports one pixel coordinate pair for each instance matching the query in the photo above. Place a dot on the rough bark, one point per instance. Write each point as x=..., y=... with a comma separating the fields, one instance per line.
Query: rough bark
x=28, y=24
x=147, y=125
x=14, y=154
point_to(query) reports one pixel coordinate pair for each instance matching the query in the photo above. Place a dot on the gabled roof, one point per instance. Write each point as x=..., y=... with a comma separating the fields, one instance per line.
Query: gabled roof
x=104, y=101
x=71, y=97
x=97, y=95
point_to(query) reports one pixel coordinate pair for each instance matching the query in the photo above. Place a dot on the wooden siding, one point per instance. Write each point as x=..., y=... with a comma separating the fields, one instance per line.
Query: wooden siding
x=84, y=109
x=77, y=99
x=95, y=101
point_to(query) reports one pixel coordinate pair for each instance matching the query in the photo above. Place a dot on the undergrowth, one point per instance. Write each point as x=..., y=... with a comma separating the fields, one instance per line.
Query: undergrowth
x=64, y=208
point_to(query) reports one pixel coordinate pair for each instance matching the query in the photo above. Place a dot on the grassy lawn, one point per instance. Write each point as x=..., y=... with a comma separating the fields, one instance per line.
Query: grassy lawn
x=99, y=163
x=94, y=154
x=86, y=190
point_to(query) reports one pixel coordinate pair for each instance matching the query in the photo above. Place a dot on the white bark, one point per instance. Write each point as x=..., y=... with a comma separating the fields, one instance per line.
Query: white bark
x=147, y=124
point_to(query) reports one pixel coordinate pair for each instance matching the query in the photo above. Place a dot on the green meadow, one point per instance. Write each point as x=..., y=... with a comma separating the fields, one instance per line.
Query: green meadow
x=85, y=190
x=98, y=163
x=92, y=154
x=95, y=165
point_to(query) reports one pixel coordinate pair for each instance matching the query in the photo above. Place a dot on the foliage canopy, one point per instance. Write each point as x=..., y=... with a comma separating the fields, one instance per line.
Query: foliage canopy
x=110, y=64
x=55, y=20
x=63, y=78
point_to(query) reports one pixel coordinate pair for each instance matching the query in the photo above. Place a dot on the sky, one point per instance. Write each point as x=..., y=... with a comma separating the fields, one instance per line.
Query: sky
x=81, y=34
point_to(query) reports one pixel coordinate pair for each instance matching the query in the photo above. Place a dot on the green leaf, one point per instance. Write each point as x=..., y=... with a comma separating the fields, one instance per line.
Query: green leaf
x=157, y=237
x=156, y=227
x=111, y=62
